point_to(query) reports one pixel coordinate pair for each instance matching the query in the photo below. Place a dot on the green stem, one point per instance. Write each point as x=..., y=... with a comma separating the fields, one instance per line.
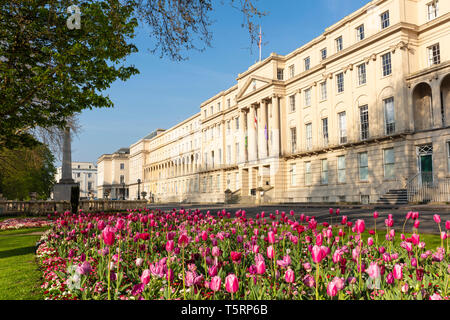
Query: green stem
x=109, y=274
x=317, y=280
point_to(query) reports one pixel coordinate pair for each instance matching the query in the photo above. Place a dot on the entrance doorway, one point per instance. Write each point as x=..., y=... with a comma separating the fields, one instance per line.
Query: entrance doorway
x=425, y=164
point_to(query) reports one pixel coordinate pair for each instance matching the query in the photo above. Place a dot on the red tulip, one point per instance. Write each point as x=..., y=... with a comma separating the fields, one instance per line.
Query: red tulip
x=183, y=241
x=235, y=256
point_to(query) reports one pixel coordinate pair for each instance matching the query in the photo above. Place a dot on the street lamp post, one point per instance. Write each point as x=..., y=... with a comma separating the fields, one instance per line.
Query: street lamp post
x=123, y=188
x=139, y=189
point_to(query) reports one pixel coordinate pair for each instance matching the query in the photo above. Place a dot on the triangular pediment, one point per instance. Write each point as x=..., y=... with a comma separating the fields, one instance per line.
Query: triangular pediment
x=252, y=84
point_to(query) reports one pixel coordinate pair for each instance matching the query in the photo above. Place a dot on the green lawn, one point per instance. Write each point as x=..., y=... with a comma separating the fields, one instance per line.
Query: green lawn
x=19, y=274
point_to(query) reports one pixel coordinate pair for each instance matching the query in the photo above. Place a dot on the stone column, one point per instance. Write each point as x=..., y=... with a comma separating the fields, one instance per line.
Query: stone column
x=275, y=125
x=262, y=122
x=252, y=143
x=242, y=133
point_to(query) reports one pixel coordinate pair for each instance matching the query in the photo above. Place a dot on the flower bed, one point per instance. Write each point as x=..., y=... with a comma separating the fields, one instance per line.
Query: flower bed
x=19, y=223
x=184, y=254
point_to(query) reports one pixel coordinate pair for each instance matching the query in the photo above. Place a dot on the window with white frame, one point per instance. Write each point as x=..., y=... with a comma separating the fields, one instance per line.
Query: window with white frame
x=360, y=33
x=324, y=171
x=307, y=63
x=385, y=22
x=212, y=109
x=323, y=53
x=292, y=103
x=291, y=71
x=434, y=55
x=218, y=107
x=342, y=127
x=389, y=115
x=218, y=183
x=362, y=75
x=228, y=127
x=122, y=166
x=386, y=64
x=325, y=131
x=389, y=163
x=308, y=174
x=229, y=102
x=340, y=82
x=339, y=44
x=341, y=169
x=293, y=140
x=236, y=152
x=433, y=10
x=308, y=97
x=323, y=91
x=363, y=166
x=293, y=174
x=308, y=128
x=364, y=122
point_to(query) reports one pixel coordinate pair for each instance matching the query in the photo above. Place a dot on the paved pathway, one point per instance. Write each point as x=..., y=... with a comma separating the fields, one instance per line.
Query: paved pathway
x=354, y=212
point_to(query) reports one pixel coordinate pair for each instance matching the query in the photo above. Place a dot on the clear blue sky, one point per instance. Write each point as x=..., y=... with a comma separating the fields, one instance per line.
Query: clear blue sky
x=167, y=92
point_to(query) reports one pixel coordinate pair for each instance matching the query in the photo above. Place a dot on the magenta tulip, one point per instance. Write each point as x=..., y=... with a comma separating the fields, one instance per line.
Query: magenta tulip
x=271, y=237
x=398, y=272
x=360, y=225
x=146, y=276
x=437, y=218
x=289, y=276
x=374, y=270
x=270, y=252
x=170, y=246
x=260, y=267
x=108, y=236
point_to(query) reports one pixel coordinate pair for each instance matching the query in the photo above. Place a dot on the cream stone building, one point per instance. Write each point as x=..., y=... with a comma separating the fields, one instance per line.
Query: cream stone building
x=85, y=174
x=359, y=114
x=113, y=175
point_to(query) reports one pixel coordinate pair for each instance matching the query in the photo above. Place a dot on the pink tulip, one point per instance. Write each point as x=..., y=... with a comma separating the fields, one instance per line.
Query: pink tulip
x=260, y=267
x=289, y=276
x=332, y=289
x=374, y=270
x=231, y=283
x=360, y=226
x=416, y=224
x=318, y=253
x=370, y=241
x=398, y=272
x=437, y=218
x=390, y=278
x=375, y=215
x=215, y=284
x=270, y=252
x=447, y=224
x=145, y=277
x=271, y=237
x=339, y=282
x=331, y=211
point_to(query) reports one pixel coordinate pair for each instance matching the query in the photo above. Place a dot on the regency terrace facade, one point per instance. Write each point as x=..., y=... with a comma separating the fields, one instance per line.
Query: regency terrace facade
x=360, y=111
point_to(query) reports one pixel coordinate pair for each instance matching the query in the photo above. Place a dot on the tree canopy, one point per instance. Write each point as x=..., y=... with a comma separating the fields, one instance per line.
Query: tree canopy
x=26, y=170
